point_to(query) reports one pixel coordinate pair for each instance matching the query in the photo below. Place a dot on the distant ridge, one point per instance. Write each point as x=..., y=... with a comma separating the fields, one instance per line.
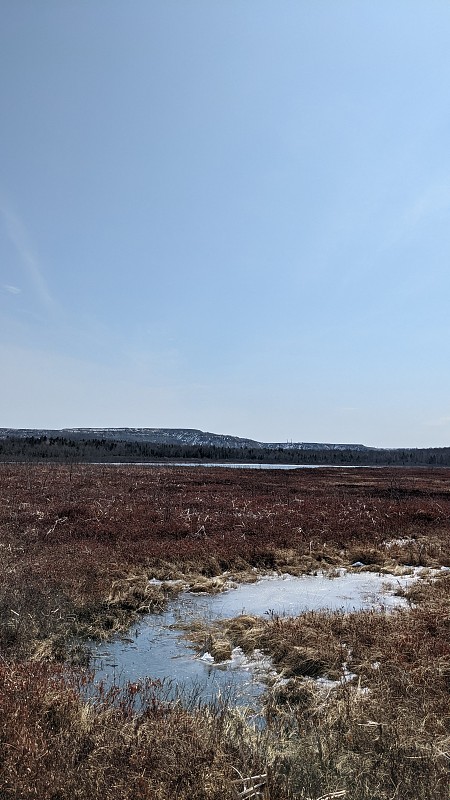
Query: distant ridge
x=184, y=436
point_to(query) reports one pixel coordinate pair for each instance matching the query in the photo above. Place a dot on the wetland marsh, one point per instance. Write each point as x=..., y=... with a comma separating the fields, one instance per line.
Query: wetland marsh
x=89, y=551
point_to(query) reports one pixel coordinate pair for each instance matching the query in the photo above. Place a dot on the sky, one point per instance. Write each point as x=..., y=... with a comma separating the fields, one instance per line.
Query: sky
x=230, y=215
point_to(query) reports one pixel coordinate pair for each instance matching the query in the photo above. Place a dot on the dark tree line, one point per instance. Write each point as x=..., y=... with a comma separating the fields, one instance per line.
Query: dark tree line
x=87, y=450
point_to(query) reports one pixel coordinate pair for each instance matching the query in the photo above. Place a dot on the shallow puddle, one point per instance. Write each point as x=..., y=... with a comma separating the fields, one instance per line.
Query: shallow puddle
x=157, y=648
x=288, y=595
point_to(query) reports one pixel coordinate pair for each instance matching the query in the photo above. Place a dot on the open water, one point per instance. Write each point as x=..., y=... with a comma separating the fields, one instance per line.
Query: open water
x=157, y=648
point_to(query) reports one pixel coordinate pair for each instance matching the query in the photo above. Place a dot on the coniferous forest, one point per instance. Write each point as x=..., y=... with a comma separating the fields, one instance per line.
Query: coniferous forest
x=62, y=449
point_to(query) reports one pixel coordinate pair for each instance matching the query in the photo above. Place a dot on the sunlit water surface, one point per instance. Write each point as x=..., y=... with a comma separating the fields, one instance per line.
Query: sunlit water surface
x=157, y=647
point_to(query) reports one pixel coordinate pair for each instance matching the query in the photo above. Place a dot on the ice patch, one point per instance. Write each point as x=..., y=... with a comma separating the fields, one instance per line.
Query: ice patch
x=207, y=658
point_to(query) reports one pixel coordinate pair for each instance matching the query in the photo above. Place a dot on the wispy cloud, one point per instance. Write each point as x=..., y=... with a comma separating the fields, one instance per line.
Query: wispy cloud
x=11, y=289
x=19, y=238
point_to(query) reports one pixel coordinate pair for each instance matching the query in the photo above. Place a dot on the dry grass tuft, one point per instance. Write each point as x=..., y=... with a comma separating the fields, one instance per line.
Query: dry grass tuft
x=136, y=593
x=208, y=585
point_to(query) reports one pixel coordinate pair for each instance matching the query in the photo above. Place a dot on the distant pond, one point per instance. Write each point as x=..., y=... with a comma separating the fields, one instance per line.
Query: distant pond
x=232, y=465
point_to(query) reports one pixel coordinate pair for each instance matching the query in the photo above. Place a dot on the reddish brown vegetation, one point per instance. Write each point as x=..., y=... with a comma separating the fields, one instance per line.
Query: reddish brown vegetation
x=125, y=744
x=78, y=526
x=77, y=545
x=67, y=533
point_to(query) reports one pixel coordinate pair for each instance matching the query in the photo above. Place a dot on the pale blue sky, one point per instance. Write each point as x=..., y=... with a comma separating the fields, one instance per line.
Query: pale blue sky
x=227, y=214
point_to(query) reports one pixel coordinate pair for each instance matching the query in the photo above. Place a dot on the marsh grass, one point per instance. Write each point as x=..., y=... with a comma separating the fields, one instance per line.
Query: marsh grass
x=77, y=547
x=120, y=744
x=384, y=732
